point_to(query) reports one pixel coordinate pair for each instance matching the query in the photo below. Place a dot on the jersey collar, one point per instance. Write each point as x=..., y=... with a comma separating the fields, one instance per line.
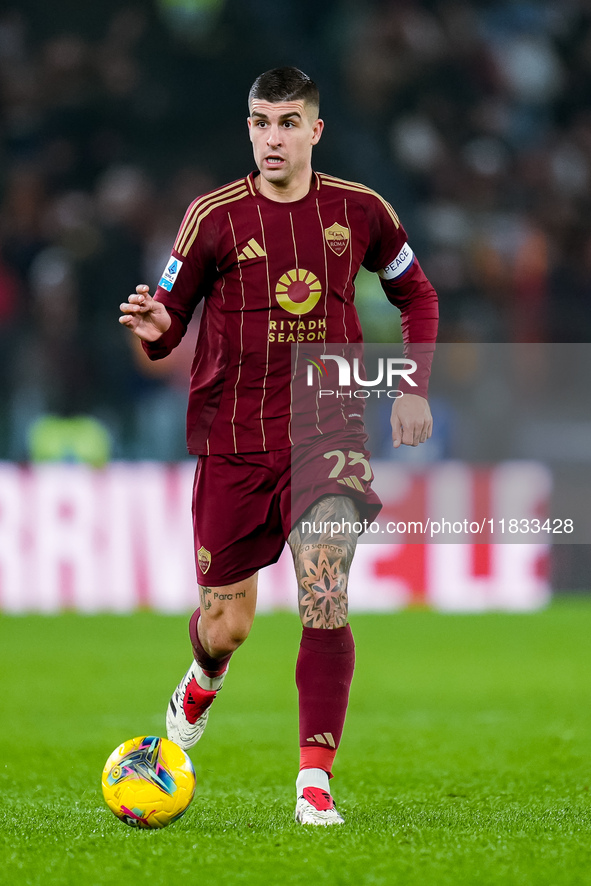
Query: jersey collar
x=250, y=182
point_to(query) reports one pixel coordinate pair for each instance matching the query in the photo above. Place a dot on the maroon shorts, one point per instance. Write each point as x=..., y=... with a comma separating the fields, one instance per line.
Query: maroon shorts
x=244, y=506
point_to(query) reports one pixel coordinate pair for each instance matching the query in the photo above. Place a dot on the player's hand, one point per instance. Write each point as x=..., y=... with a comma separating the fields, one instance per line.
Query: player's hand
x=411, y=420
x=146, y=317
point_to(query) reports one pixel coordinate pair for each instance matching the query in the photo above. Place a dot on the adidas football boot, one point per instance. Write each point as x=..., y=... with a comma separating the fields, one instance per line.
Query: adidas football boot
x=316, y=806
x=188, y=709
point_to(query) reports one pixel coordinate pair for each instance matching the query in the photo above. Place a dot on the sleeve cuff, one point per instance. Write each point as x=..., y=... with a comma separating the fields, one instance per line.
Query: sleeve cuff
x=162, y=347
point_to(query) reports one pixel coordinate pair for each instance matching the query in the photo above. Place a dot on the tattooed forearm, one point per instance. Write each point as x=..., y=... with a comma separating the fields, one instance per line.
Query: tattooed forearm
x=322, y=561
x=203, y=597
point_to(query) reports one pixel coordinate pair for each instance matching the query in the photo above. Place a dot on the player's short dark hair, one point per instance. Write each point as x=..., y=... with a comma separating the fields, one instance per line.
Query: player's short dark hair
x=285, y=85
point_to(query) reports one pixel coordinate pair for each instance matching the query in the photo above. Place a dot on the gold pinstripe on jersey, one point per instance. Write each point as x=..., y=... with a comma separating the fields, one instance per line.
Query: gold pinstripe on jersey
x=349, y=275
x=334, y=182
x=201, y=209
x=264, y=239
x=326, y=289
x=241, y=338
x=198, y=203
x=206, y=212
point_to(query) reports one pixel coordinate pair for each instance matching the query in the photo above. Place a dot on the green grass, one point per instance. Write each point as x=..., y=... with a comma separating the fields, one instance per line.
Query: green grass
x=466, y=758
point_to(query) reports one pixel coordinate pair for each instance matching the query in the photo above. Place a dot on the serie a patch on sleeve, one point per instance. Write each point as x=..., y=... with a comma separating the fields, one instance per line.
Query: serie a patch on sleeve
x=401, y=263
x=170, y=273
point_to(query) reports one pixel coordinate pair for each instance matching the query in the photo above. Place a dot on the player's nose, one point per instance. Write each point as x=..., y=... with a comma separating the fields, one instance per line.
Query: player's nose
x=274, y=138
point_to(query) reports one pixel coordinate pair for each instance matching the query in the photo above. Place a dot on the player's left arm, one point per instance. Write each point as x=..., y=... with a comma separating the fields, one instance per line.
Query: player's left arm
x=406, y=287
x=415, y=297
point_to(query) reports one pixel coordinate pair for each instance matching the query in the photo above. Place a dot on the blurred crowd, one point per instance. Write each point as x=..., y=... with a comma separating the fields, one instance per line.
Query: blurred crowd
x=472, y=118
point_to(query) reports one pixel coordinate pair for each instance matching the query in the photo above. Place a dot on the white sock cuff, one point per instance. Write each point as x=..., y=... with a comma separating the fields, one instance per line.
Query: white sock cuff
x=209, y=683
x=312, y=778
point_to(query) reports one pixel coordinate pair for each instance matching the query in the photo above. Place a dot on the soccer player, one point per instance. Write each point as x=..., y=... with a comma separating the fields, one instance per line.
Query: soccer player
x=274, y=256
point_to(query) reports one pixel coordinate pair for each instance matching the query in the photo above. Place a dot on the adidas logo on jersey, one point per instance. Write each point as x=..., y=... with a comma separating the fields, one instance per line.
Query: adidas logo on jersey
x=252, y=250
x=323, y=738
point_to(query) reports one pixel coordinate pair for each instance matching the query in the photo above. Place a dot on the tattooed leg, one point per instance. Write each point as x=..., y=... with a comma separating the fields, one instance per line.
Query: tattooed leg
x=326, y=658
x=227, y=614
x=322, y=560
x=205, y=597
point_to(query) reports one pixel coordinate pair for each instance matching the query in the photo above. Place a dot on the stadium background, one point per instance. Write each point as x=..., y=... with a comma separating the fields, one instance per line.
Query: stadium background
x=465, y=759
x=471, y=117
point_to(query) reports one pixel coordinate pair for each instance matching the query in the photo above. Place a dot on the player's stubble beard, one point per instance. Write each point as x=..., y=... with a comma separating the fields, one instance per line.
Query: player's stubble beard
x=282, y=180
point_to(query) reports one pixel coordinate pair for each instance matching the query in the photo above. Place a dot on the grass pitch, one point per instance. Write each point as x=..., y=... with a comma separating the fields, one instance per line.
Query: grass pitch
x=466, y=758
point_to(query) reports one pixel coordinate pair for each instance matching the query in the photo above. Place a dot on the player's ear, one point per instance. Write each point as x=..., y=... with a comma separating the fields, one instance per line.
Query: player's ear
x=249, y=122
x=317, y=131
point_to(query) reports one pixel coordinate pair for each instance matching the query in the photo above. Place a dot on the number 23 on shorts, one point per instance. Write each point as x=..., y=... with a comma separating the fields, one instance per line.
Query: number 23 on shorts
x=350, y=460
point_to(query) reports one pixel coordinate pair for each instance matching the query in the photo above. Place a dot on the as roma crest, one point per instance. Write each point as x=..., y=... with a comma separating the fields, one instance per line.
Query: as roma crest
x=203, y=559
x=337, y=238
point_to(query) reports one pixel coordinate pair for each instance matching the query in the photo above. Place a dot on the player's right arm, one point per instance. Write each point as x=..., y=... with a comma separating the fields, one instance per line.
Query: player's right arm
x=146, y=317
x=162, y=320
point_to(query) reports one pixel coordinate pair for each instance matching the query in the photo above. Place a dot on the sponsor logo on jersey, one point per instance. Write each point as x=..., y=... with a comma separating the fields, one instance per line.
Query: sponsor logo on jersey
x=203, y=559
x=298, y=291
x=401, y=263
x=337, y=238
x=291, y=331
x=170, y=273
x=252, y=250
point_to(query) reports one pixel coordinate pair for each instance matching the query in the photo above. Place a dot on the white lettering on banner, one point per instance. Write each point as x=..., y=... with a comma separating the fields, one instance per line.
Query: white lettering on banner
x=519, y=488
x=519, y=587
x=276, y=585
x=511, y=580
x=64, y=552
x=512, y=583
x=118, y=547
x=387, y=593
x=12, y=542
x=164, y=498
x=121, y=537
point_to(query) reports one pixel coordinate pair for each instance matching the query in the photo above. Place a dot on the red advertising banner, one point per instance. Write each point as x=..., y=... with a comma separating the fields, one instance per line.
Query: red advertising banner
x=120, y=538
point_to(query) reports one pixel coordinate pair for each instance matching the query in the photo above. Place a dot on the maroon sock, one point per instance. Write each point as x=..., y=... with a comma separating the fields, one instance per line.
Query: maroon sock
x=212, y=667
x=324, y=672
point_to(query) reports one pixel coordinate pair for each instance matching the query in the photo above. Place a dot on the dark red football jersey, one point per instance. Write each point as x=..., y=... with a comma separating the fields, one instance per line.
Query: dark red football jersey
x=273, y=275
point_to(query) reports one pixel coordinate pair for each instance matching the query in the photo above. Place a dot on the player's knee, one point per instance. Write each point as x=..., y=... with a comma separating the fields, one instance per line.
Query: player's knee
x=225, y=634
x=234, y=635
x=224, y=644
